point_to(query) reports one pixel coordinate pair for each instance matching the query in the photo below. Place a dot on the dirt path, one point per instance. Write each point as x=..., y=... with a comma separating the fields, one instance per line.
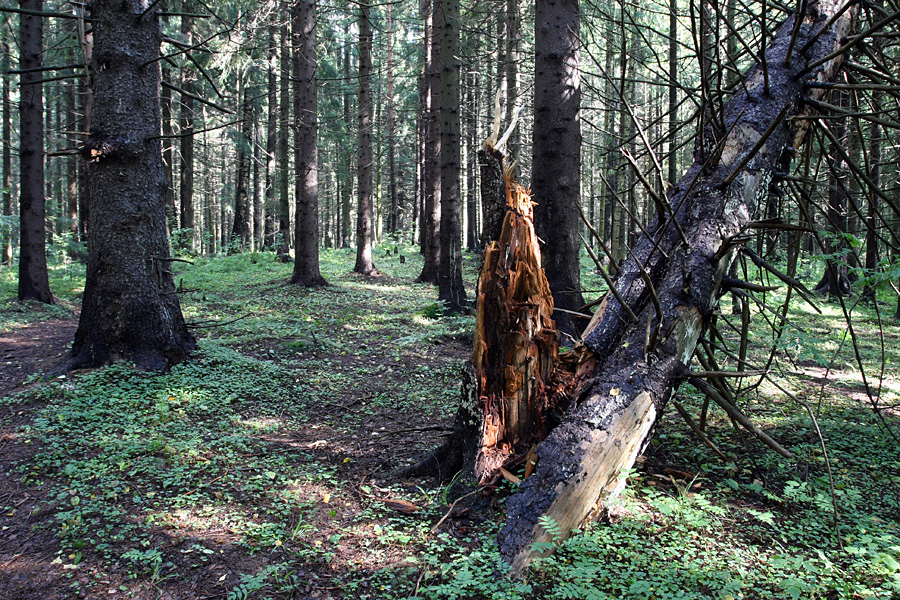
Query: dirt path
x=35, y=348
x=27, y=570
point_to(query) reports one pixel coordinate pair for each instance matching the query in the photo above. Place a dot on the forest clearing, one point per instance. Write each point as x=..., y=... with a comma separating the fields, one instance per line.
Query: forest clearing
x=262, y=468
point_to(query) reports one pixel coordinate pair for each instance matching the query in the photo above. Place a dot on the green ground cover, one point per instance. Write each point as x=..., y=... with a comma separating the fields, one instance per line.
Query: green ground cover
x=261, y=469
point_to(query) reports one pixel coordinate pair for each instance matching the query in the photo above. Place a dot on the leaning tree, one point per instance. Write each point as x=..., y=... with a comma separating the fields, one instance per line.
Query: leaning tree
x=130, y=309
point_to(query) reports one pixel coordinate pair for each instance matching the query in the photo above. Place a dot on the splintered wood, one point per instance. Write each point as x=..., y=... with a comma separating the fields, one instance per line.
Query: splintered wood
x=516, y=343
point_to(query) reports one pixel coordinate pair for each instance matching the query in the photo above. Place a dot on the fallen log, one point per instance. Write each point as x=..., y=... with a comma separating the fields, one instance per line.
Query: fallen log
x=672, y=287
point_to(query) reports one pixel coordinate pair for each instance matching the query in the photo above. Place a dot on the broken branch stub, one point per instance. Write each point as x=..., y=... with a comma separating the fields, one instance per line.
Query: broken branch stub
x=625, y=380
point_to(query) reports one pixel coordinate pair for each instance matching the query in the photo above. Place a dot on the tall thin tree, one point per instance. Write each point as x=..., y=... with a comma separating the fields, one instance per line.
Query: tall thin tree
x=306, y=237
x=431, y=189
x=34, y=281
x=557, y=153
x=450, y=282
x=364, y=263
x=5, y=159
x=186, y=189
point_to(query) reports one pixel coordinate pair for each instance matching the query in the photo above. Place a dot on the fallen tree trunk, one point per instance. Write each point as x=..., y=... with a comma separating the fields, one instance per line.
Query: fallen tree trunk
x=642, y=338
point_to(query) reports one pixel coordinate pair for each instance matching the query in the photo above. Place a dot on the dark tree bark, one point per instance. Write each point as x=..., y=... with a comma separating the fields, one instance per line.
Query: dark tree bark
x=394, y=217
x=186, y=190
x=86, y=98
x=556, y=182
x=306, y=238
x=165, y=101
x=364, y=264
x=271, y=138
x=513, y=38
x=625, y=380
x=5, y=159
x=130, y=310
x=284, y=208
x=431, y=165
x=347, y=190
x=472, y=158
x=71, y=165
x=673, y=93
x=834, y=280
x=875, y=158
x=34, y=283
x=493, y=194
x=241, y=228
x=450, y=282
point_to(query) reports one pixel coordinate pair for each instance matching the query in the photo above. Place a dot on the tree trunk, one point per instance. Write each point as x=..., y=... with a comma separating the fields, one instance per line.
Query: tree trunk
x=71, y=165
x=834, y=280
x=394, y=217
x=87, y=101
x=271, y=138
x=6, y=237
x=34, y=283
x=431, y=215
x=240, y=231
x=626, y=377
x=513, y=35
x=364, y=264
x=346, y=160
x=875, y=151
x=450, y=282
x=168, y=154
x=472, y=158
x=284, y=116
x=672, y=162
x=130, y=310
x=306, y=160
x=556, y=181
x=186, y=189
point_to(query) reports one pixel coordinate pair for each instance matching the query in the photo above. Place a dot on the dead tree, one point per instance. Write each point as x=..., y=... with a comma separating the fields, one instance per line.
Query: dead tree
x=636, y=350
x=643, y=336
x=609, y=393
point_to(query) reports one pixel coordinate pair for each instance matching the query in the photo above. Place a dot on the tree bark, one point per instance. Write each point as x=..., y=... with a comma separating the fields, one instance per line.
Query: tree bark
x=71, y=165
x=306, y=159
x=168, y=154
x=364, y=264
x=271, y=138
x=284, y=116
x=346, y=159
x=130, y=310
x=6, y=238
x=431, y=215
x=556, y=180
x=34, y=282
x=186, y=189
x=240, y=231
x=450, y=282
x=875, y=156
x=624, y=379
x=394, y=217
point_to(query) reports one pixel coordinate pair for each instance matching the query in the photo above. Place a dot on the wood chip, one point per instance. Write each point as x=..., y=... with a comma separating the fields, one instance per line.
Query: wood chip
x=402, y=506
x=509, y=476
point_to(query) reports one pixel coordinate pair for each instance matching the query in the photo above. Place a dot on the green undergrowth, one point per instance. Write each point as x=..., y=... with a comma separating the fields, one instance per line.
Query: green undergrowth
x=263, y=464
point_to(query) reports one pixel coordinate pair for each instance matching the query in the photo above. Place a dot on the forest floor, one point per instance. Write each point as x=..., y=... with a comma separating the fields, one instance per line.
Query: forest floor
x=262, y=469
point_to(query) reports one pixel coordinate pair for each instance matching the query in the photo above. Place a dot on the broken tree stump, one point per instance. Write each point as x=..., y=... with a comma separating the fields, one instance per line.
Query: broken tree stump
x=516, y=342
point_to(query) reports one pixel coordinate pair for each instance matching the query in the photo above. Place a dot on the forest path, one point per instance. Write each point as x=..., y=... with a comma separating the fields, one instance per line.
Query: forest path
x=26, y=554
x=33, y=348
